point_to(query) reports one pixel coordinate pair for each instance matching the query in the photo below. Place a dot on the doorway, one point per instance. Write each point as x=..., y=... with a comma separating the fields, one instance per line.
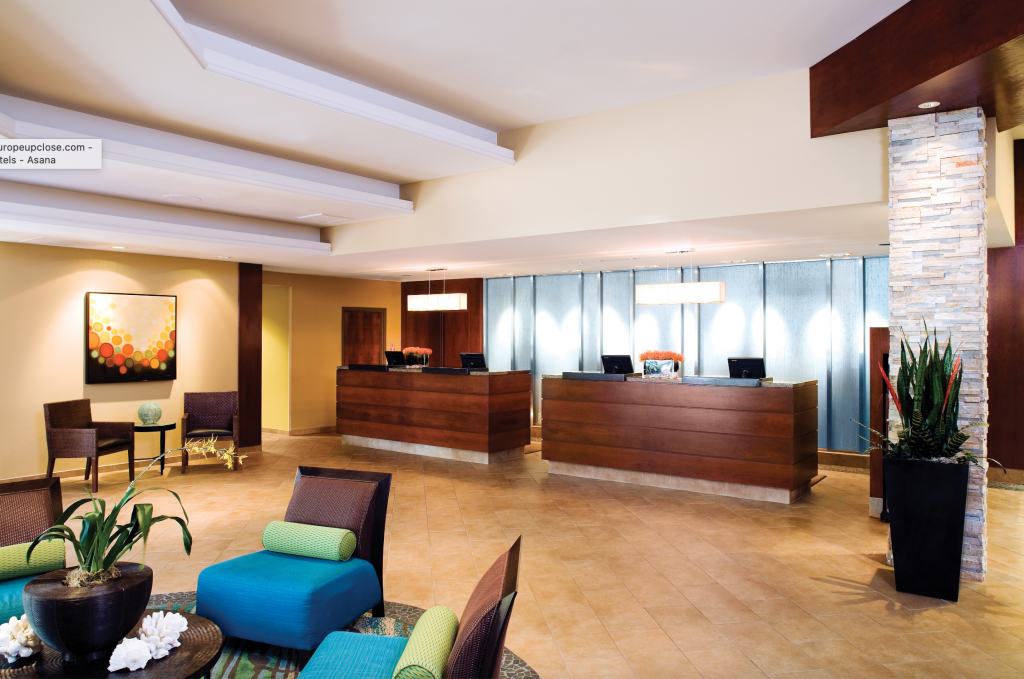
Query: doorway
x=362, y=335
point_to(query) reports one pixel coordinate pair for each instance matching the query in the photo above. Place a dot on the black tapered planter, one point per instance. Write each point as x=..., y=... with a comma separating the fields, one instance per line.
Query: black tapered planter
x=86, y=623
x=927, y=503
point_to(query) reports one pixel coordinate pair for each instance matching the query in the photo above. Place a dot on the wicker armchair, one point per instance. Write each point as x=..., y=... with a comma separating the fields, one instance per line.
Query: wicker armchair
x=71, y=432
x=209, y=413
x=27, y=508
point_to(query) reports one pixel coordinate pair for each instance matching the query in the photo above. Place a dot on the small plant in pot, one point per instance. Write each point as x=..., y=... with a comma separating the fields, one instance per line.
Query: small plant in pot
x=926, y=471
x=84, y=612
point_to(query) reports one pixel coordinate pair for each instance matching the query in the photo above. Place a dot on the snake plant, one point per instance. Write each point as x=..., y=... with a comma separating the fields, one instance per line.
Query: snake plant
x=927, y=399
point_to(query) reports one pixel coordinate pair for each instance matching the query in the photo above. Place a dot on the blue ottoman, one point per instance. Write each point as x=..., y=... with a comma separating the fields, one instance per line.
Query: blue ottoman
x=10, y=598
x=346, y=655
x=285, y=600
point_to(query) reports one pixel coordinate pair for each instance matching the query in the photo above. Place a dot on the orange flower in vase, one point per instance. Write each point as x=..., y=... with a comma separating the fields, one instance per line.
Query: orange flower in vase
x=417, y=355
x=651, y=355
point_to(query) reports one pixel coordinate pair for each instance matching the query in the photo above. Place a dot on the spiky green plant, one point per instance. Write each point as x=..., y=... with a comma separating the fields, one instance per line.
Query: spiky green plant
x=927, y=398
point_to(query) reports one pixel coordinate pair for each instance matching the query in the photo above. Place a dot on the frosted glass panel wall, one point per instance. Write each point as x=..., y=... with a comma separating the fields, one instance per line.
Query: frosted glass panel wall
x=797, y=328
x=558, y=329
x=658, y=327
x=691, y=327
x=847, y=354
x=736, y=327
x=616, y=295
x=592, y=321
x=876, y=315
x=499, y=323
x=523, y=324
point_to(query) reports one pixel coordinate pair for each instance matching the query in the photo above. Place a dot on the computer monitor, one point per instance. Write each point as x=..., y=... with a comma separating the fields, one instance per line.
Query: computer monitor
x=394, y=357
x=617, y=365
x=746, y=367
x=473, y=361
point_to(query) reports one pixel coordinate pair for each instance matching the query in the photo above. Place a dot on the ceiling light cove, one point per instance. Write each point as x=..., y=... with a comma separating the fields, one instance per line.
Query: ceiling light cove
x=929, y=104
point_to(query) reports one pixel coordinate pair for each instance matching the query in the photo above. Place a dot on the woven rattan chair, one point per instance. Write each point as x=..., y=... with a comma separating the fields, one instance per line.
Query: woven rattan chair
x=27, y=508
x=71, y=432
x=301, y=600
x=209, y=413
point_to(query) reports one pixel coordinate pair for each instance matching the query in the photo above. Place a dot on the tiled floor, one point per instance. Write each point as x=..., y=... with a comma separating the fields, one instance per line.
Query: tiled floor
x=624, y=581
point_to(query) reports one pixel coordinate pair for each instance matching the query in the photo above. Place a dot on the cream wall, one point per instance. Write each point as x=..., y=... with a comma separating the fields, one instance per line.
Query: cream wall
x=316, y=303
x=276, y=356
x=42, y=304
x=736, y=150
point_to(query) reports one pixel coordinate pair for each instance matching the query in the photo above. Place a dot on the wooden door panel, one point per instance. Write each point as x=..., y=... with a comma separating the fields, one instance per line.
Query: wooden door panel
x=362, y=336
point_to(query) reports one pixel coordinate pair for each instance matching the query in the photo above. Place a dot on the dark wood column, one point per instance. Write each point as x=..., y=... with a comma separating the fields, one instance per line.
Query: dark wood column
x=250, y=354
x=1006, y=336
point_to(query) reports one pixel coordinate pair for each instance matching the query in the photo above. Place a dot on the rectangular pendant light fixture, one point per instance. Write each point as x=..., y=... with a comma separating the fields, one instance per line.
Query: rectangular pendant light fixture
x=453, y=301
x=704, y=292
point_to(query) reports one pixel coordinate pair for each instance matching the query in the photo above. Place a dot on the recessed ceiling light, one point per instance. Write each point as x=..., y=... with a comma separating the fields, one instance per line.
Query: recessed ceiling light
x=118, y=247
x=734, y=261
x=505, y=274
x=181, y=198
x=928, y=104
x=837, y=254
x=406, y=275
x=324, y=219
x=647, y=266
x=678, y=252
x=223, y=257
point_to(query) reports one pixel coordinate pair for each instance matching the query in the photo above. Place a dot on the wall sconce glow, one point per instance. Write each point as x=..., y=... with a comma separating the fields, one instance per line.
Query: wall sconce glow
x=928, y=104
x=707, y=292
x=455, y=301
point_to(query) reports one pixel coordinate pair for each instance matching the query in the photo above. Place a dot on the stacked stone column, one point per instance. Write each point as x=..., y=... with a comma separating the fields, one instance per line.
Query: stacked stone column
x=938, y=271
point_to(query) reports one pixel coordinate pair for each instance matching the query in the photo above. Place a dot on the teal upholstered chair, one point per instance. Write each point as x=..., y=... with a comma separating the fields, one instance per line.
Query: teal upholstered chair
x=476, y=652
x=296, y=601
x=27, y=508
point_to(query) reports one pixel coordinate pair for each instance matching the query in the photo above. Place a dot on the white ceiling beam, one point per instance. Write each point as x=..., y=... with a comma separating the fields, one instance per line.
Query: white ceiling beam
x=234, y=59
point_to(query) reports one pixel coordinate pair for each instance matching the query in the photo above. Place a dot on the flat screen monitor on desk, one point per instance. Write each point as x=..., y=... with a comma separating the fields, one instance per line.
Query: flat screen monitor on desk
x=746, y=367
x=617, y=365
x=394, y=357
x=473, y=361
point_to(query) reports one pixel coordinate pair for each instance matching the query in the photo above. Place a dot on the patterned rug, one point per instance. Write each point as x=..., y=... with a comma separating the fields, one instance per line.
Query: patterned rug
x=243, y=659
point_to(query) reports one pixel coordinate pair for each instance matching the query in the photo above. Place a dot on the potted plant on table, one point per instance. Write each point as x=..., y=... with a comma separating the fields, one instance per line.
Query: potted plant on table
x=417, y=355
x=84, y=612
x=926, y=471
x=656, y=362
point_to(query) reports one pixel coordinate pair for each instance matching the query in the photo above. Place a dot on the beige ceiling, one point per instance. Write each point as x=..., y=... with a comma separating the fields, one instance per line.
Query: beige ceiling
x=504, y=64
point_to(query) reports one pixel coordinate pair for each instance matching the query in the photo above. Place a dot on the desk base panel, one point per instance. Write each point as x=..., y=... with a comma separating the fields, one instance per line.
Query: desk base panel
x=458, y=454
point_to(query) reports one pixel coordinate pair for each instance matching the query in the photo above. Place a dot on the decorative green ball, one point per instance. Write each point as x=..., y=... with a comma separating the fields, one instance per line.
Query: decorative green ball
x=149, y=413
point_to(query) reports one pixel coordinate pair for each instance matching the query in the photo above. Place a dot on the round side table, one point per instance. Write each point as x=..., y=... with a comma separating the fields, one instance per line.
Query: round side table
x=200, y=649
x=163, y=428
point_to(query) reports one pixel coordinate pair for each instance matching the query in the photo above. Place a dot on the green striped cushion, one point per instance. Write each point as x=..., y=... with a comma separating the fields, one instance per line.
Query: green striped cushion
x=303, y=539
x=429, y=646
x=47, y=556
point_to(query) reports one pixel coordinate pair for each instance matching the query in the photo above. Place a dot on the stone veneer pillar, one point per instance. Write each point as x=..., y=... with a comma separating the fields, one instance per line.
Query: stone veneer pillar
x=938, y=269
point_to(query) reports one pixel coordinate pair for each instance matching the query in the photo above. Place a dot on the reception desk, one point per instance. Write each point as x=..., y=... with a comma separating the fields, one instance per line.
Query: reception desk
x=482, y=417
x=754, y=442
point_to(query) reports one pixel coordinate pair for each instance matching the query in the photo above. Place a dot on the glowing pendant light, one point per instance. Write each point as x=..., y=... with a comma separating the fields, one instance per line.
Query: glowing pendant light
x=699, y=292
x=455, y=301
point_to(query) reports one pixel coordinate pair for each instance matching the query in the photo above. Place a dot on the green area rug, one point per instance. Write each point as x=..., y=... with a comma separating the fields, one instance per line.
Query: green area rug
x=243, y=659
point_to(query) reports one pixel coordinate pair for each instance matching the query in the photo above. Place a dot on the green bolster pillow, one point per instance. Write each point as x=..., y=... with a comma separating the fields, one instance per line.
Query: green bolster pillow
x=303, y=539
x=429, y=646
x=47, y=556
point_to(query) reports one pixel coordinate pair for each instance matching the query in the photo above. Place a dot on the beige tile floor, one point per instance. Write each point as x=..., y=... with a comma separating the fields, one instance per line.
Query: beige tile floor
x=629, y=581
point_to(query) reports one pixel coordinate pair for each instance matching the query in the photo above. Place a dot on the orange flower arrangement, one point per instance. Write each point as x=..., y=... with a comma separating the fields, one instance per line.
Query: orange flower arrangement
x=661, y=356
x=419, y=351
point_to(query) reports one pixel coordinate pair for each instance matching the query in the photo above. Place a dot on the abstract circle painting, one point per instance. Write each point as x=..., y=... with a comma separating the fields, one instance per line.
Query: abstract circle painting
x=130, y=338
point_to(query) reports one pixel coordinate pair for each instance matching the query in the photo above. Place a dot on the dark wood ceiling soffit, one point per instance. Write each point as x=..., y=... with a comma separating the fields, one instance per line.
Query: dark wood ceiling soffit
x=958, y=53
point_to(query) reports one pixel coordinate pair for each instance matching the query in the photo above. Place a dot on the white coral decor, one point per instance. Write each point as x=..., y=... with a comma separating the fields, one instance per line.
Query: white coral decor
x=161, y=630
x=18, y=639
x=130, y=653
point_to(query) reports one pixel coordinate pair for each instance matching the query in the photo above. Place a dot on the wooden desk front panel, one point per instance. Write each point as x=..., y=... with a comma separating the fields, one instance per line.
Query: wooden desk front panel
x=485, y=413
x=757, y=436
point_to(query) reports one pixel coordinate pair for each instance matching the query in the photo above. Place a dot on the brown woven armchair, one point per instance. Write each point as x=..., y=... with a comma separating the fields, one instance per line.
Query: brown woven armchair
x=27, y=508
x=71, y=432
x=209, y=413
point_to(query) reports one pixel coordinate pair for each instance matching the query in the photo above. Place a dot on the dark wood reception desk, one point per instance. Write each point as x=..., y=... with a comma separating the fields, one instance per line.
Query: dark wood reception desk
x=759, y=443
x=481, y=417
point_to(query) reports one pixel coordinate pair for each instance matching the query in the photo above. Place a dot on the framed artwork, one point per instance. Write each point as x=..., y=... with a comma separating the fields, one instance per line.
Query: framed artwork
x=130, y=338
